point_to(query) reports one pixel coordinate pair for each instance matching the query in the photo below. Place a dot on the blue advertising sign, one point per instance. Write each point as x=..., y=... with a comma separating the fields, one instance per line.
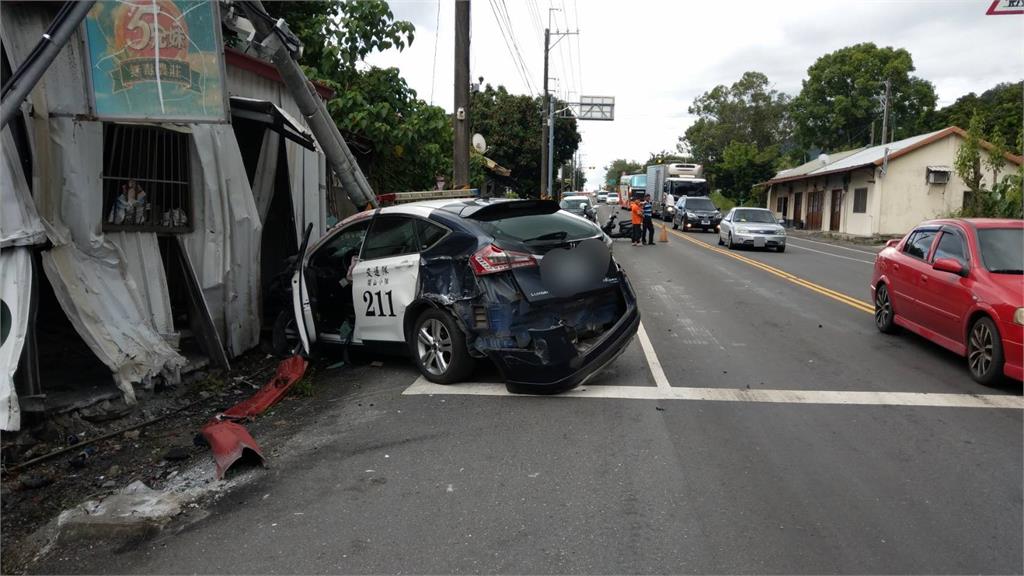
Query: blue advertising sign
x=157, y=60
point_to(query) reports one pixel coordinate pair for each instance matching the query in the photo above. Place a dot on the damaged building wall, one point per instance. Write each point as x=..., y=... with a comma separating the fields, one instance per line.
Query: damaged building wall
x=225, y=245
x=112, y=285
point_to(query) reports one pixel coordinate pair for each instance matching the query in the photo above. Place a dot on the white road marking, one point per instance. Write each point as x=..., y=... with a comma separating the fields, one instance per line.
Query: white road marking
x=792, y=245
x=829, y=397
x=833, y=245
x=652, y=359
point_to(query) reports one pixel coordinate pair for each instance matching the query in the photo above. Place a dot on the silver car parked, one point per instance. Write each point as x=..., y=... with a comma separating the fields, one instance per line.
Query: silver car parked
x=754, y=227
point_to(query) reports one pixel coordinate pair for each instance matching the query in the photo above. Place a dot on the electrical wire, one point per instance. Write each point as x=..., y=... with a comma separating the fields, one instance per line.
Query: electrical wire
x=433, y=73
x=515, y=44
x=579, y=50
x=516, y=59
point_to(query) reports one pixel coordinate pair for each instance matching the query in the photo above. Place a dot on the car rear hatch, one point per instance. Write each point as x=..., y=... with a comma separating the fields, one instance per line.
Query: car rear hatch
x=547, y=315
x=571, y=256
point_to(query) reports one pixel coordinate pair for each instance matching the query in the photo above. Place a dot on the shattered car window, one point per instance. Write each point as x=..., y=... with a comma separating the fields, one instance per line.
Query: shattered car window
x=337, y=251
x=429, y=234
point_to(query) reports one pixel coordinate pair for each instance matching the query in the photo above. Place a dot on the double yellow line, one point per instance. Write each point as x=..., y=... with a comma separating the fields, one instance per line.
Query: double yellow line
x=837, y=296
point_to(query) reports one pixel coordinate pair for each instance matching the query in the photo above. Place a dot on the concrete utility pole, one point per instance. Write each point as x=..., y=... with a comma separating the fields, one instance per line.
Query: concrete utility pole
x=338, y=155
x=460, y=156
x=885, y=110
x=544, y=119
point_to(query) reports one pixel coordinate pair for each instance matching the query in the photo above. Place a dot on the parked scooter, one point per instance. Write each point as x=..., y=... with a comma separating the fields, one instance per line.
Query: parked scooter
x=624, y=230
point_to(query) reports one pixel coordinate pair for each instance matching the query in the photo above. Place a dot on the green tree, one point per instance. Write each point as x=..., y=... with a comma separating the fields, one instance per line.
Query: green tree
x=617, y=168
x=999, y=107
x=840, y=97
x=967, y=164
x=749, y=111
x=995, y=159
x=1003, y=197
x=743, y=165
x=400, y=141
x=666, y=157
x=511, y=125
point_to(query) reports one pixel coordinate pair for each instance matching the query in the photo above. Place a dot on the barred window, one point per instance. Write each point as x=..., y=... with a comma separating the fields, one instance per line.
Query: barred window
x=860, y=200
x=146, y=179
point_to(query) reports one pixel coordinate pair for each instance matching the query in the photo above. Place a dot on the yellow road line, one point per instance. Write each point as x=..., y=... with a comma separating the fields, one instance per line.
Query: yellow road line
x=837, y=296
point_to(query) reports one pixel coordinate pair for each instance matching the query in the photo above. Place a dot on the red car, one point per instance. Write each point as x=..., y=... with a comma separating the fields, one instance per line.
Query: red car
x=960, y=284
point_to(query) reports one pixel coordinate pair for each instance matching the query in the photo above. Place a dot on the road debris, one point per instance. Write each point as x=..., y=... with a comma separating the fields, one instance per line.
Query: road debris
x=229, y=441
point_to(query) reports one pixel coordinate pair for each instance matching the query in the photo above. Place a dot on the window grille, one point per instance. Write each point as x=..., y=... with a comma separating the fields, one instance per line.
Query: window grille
x=146, y=179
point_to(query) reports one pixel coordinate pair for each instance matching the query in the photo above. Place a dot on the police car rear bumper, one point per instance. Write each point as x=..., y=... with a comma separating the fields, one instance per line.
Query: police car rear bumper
x=555, y=364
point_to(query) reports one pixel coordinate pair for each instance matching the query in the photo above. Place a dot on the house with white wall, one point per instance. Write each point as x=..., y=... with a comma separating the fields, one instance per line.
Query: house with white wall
x=881, y=190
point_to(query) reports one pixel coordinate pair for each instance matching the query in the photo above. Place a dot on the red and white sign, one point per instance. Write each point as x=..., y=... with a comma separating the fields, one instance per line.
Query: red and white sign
x=1004, y=7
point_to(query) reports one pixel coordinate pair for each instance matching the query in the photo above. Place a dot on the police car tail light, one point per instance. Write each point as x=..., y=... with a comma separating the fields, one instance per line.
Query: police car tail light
x=490, y=260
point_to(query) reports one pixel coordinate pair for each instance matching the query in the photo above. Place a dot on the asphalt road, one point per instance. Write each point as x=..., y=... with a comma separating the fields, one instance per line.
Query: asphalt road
x=769, y=481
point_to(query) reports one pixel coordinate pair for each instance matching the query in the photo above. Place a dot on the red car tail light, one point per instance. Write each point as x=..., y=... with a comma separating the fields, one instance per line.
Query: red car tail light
x=490, y=260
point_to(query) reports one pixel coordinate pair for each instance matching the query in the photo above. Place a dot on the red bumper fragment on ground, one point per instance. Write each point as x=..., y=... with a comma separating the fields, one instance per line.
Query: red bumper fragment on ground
x=288, y=372
x=230, y=441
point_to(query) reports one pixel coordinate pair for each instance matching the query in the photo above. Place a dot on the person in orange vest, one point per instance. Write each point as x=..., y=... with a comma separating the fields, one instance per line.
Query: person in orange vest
x=637, y=212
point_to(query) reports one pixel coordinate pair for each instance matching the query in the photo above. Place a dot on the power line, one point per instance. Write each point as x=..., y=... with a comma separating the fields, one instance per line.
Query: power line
x=568, y=49
x=536, y=21
x=579, y=50
x=510, y=44
x=433, y=74
x=515, y=44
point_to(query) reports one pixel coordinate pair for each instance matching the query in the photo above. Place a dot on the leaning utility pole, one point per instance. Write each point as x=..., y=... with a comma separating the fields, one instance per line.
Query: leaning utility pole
x=24, y=79
x=544, y=120
x=336, y=151
x=460, y=156
x=885, y=110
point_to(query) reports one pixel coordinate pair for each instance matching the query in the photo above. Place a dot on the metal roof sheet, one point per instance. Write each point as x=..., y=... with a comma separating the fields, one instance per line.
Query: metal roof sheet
x=873, y=154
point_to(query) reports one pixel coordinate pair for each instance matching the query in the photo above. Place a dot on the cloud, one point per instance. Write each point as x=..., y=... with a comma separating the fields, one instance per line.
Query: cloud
x=656, y=56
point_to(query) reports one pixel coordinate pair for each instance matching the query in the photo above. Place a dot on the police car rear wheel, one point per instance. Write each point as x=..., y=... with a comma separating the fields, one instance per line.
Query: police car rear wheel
x=439, y=348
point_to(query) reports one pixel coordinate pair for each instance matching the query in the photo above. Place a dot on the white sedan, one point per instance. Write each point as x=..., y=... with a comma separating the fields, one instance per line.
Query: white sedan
x=755, y=227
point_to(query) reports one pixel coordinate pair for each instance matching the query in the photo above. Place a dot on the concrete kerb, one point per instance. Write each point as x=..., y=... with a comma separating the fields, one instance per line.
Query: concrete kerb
x=135, y=512
x=875, y=241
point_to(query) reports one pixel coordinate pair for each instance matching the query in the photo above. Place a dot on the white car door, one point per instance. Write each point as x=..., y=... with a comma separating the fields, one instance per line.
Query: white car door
x=385, y=279
x=320, y=290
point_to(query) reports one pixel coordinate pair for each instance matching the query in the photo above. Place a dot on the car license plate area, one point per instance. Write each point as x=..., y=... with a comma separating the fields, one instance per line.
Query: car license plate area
x=705, y=222
x=759, y=242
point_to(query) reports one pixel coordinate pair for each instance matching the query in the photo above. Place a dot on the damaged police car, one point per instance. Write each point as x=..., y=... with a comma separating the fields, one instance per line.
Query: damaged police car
x=520, y=283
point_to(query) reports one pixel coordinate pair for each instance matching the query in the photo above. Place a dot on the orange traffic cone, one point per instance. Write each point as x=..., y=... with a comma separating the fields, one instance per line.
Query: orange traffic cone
x=663, y=237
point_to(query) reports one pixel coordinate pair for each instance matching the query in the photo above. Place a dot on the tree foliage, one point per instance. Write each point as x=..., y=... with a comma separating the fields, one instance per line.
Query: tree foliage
x=617, y=168
x=999, y=109
x=400, y=141
x=743, y=165
x=1003, y=197
x=740, y=133
x=511, y=125
x=667, y=157
x=840, y=98
x=749, y=110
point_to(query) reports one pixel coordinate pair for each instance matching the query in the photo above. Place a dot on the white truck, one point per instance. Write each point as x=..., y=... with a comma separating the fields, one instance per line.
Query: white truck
x=675, y=179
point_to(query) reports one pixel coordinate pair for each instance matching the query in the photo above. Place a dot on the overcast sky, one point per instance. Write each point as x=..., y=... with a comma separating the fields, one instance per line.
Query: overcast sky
x=656, y=56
